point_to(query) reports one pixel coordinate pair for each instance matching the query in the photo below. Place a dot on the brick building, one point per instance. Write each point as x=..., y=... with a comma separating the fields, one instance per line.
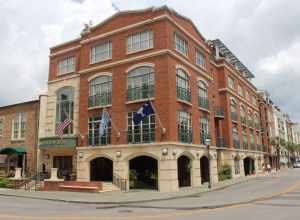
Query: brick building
x=18, y=137
x=197, y=88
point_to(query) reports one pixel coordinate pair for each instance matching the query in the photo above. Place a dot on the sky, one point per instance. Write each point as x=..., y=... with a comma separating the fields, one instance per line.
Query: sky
x=263, y=34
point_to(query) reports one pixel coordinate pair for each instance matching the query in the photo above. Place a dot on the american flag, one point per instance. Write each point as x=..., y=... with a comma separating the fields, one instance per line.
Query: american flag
x=62, y=126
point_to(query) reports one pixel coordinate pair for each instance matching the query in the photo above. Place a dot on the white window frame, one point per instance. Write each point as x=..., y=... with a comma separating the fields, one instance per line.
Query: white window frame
x=66, y=65
x=230, y=82
x=20, y=118
x=241, y=91
x=200, y=59
x=148, y=40
x=107, y=51
x=182, y=45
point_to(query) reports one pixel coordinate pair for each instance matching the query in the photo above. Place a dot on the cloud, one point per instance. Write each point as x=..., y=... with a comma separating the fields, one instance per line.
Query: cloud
x=263, y=34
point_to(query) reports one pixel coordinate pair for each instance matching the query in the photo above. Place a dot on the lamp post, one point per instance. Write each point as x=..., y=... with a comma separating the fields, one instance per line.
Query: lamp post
x=208, y=143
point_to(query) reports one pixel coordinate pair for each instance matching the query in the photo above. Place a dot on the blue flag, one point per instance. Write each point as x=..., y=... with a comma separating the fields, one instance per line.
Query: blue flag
x=105, y=118
x=143, y=112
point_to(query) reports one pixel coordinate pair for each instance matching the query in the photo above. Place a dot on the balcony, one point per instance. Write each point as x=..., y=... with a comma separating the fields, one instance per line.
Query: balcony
x=203, y=103
x=221, y=142
x=234, y=116
x=139, y=93
x=265, y=148
x=185, y=136
x=219, y=113
x=252, y=146
x=245, y=146
x=236, y=144
x=243, y=120
x=99, y=100
x=184, y=94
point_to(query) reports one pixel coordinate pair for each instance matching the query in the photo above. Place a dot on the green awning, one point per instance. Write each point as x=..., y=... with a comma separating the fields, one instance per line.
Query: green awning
x=12, y=150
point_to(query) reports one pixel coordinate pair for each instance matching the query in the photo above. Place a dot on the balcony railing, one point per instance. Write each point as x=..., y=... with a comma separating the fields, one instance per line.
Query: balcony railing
x=203, y=103
x=184, y=94
x=234, y=116
x=236, y=144
x=265, y=148
x=245, y=146
x=185, y=136
x=219, y=112
x=138, y=93
x=259, y=147
x=221, y=142
x=243, y=120
x=252, y=146
x=100, y=99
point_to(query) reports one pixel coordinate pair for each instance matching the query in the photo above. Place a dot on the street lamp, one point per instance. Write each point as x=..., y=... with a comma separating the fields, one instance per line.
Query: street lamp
x=208, y=143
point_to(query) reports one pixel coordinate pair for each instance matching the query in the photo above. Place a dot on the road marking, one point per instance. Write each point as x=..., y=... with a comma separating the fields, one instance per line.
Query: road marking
x=155, y=216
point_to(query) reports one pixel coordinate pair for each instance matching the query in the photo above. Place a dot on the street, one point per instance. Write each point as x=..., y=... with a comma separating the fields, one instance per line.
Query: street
x=273, y=197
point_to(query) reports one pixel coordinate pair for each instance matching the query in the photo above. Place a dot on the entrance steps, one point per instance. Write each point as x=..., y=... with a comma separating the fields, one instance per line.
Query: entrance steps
x=109, y=187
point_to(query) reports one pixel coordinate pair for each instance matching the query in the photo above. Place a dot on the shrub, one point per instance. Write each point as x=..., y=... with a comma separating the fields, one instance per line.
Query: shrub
x=225, y=173
x=4, y=182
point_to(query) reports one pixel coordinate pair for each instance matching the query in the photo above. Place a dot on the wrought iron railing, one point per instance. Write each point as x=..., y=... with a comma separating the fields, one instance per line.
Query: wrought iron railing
x=219, y=112
x=120, y=182
x=102, y=99
x=138, y=93
x=203, y=102
x=184, y=94
x=221, y=142
x=234, y=116
x=236, y=144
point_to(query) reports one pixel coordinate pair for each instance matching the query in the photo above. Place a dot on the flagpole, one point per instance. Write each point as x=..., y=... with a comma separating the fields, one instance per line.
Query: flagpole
x=113, y=124
x=158, y=118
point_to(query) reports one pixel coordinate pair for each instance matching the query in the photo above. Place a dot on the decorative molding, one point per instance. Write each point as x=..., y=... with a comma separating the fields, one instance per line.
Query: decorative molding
x=139, y=65
x=99, y=74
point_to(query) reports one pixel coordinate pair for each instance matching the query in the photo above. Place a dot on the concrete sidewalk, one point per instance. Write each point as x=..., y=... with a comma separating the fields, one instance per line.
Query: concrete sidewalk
x=118, y=198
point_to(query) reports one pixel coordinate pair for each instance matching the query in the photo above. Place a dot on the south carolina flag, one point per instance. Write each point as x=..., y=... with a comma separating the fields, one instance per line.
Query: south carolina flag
x=143, y=112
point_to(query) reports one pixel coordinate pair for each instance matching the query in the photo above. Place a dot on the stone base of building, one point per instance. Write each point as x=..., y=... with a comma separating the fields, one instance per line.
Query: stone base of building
x=173, y=165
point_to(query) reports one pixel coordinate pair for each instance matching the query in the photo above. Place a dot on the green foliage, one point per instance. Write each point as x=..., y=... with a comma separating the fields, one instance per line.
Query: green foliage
x=4, y=182
x=225, y=173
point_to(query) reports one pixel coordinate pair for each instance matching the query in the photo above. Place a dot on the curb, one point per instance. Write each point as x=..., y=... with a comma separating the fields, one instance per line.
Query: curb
x=130, y=202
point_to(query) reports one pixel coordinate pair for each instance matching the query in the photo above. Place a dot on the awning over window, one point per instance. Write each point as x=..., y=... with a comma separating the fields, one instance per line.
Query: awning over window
x=13, y=150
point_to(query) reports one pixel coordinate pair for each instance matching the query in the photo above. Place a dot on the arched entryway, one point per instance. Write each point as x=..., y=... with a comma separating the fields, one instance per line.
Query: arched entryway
x=204, y=167
x=184, y=171
x=249, y=166
x=143, y=173
x=101, y=169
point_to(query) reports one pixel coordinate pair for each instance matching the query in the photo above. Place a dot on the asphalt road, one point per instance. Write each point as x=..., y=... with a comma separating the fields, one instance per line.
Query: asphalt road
x=273, y=197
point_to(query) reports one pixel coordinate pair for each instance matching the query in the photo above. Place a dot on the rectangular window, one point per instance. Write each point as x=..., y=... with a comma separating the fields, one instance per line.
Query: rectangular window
x=1, y=127
x=94, y=132
x=143, y=132
x=101, y=52
x=140, y=41
x=66, y=65
x=181, y=45
x=19, y=126
x=184, y=127
x=200, y=59
x=230, y=82
x=204, y=129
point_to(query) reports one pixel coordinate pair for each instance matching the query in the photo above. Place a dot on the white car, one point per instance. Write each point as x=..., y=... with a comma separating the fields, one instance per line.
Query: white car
x=297, y=164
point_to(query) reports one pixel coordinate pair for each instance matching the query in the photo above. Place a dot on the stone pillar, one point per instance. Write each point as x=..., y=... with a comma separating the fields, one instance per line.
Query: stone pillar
x=18, y=174
x=196, y=173
x=167, y=175
x=83, y=170
x=54, y=175
x=214, y=170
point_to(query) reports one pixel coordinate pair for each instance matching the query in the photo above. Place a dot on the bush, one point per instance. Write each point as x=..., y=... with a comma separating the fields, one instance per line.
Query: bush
x=225, y=173
x=4, y=182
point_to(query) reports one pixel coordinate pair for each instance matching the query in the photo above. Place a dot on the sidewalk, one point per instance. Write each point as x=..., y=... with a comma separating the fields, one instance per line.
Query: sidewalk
x=122, y=197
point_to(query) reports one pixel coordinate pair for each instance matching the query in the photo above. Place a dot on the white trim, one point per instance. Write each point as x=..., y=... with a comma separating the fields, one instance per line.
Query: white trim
x=179, y=66
x=65, y=51
x=199, y=78
x=139, y=65
x=99, y=74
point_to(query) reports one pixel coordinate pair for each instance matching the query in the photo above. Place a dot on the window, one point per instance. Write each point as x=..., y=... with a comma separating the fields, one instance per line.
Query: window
x=256, y=122
x=244, y=137
x=203, y=95
x=101, y=52
x=236, y=166
x=253, y=100
x=94, y=132
x=252, y=140
x=143, y=132
x=19, y=126
x=140, y=83
x=183, y=85
x=181, y=45
x=233, y=107
x=204, y=129
x=250, y=119
x=247, y=95
x=65, y=107
x=66, y=65
x=1, y=127
x=184, y=127
x=100, y=91
x=200, y=59
x=230, y=82
x=241, y=91
x=235, y=137
x=243, y=115
x=140, y=41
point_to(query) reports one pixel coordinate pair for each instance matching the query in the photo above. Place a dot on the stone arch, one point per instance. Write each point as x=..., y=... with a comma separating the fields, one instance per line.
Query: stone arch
x=99, y=74
x=135, y=66
x=184, y=170
x=204, y=169
x=101, y=169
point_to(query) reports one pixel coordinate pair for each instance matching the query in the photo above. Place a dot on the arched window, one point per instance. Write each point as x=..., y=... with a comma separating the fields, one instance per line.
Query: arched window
x=65, y=107
x=140, y=83
x=203, y=95
x=204, y=126
x=100, y=91
x=183, y=85
x=235, y=137
x=233, y=107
